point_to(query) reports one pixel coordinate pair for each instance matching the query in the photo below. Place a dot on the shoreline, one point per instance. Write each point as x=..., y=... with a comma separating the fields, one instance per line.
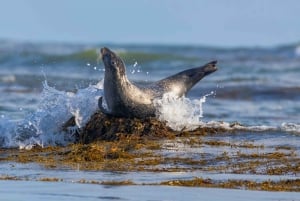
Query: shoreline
x=110, y=144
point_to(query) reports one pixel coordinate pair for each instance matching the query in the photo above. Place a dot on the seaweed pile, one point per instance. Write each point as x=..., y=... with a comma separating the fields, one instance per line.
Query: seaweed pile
x=104, y=127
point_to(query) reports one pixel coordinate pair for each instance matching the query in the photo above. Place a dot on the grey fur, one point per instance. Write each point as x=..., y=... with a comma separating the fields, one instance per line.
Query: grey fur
x=125, y=99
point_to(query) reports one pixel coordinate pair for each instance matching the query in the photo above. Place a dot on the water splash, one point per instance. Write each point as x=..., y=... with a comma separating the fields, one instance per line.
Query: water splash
x=44, y=126
x=135, y=68
x=180, y=113
x=186, y=114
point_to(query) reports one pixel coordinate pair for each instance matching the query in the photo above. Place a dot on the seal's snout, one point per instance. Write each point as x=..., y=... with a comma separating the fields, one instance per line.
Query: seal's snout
x=104, y=51
x=106, y=54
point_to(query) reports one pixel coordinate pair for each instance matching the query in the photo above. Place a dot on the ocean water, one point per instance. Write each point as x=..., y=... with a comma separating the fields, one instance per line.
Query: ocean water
x=43, y=84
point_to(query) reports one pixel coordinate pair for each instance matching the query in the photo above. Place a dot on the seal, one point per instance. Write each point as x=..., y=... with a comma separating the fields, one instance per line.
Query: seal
x=126, y=99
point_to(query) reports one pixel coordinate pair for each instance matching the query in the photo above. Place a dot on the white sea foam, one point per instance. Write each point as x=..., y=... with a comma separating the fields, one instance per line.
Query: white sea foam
x=236, y=126
x=290, y=127
x=180, y=113
x=284, y=127
x=44, y=126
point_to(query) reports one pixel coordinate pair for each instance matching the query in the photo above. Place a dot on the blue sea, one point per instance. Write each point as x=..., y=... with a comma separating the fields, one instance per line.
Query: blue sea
x=42, y=85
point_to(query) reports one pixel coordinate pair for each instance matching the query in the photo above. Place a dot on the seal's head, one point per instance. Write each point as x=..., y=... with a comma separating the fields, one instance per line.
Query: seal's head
x=112, y=62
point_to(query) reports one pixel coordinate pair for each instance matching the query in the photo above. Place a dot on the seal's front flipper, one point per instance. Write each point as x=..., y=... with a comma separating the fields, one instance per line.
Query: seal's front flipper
x=100, y=105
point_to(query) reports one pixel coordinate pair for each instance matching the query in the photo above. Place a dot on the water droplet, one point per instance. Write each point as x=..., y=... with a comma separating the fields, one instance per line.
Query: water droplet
x=88, y=64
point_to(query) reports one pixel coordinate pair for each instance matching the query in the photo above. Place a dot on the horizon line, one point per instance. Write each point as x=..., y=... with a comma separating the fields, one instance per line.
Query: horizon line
x=76, y=42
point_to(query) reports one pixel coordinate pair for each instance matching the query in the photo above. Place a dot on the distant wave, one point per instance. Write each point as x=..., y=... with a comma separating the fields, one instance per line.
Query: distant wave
x=50, y=53
x=293, y=128
x=28, y=58
x=82, y=57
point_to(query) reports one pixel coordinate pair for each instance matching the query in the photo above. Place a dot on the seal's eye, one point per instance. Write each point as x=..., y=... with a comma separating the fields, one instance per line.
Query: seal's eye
x=113, y=63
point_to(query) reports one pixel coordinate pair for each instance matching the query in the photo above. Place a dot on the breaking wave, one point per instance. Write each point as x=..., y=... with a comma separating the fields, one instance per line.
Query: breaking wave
x=44, y=126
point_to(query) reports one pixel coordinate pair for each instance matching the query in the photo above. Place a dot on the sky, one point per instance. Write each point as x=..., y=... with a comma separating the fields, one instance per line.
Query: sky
x=222, y=23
